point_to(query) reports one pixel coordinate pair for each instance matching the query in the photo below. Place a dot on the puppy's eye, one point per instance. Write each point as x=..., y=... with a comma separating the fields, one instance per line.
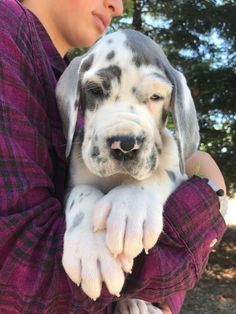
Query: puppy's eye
x=97, y=91
x=93, y=89
x=156, y=97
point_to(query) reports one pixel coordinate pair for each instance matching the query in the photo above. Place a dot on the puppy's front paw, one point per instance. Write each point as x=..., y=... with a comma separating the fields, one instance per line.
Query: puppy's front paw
x=132, y=217
x=86, y=258
x=136, y=306
x=88, y=262
x=131, y=306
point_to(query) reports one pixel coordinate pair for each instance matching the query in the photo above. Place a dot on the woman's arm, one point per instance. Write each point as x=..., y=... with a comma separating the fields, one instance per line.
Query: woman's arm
x=201, y=163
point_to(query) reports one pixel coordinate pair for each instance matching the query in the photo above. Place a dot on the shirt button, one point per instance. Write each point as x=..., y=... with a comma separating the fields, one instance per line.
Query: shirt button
x=213, y=243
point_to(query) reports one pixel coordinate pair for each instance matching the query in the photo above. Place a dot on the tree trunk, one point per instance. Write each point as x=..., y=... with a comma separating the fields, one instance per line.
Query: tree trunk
x=137, y=16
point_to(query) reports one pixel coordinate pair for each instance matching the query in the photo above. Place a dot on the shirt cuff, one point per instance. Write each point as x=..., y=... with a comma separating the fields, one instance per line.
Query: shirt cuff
x=192, y=218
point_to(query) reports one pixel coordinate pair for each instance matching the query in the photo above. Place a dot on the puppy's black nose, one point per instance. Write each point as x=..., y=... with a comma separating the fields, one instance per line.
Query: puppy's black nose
x=124, y=147
x=127, y=143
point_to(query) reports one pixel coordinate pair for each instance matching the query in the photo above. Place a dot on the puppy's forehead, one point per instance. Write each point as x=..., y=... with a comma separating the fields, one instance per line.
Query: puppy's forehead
x=111, y=50
x=127, y=47
x=145, y=51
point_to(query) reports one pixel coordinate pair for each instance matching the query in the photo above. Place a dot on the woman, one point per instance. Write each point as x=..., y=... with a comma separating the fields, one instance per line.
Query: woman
x=35, y=37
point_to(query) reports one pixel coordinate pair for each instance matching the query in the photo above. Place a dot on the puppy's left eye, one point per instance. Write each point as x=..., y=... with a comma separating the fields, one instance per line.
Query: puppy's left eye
x=156, y=97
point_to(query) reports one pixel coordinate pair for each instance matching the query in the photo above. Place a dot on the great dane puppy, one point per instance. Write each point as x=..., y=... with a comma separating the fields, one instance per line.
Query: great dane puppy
x=124, y=163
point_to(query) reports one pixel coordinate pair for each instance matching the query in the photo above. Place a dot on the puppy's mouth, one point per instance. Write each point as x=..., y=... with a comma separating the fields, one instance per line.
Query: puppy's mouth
x=125, y=147
x=119, y=155
x=124, y=154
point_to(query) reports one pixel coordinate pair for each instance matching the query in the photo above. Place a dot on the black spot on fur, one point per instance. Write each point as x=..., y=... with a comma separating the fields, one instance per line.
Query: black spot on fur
x=93, y=92
x=152, y=160
x=86, y=65
x=171, y=175
x=95, y=152
x=137, y=61
x=76, y=222
x=110, y=55
x=110, y=73
x=158, y=149
x=164, y=115
x=140, y=60
x=72, y=204
x=101, y=160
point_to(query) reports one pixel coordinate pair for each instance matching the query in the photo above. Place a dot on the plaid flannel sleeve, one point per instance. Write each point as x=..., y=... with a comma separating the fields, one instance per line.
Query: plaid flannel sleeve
x=192, y=223
x=31, y=219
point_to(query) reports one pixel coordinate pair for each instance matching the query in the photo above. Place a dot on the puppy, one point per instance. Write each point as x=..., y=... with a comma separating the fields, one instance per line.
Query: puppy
x=114, y=103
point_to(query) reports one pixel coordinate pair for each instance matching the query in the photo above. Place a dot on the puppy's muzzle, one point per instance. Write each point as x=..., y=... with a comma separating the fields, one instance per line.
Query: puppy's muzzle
x=124, y=147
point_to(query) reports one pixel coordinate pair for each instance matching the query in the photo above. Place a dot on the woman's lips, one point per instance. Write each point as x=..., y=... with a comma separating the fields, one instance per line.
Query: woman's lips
x=102, y=21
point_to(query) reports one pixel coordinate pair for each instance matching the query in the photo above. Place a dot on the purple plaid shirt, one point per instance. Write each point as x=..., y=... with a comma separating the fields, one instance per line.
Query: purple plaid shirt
x=33, y=170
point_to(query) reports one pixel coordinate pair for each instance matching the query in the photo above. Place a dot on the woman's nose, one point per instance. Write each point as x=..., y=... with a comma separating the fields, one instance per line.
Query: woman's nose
x=116, y=7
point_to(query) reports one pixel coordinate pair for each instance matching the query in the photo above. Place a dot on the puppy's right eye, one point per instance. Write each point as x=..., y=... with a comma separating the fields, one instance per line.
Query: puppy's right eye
x=95, y=90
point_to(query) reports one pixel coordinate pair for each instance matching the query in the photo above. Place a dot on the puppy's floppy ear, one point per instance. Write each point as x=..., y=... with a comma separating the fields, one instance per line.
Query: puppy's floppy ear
x=68, y=95
x=185, y=116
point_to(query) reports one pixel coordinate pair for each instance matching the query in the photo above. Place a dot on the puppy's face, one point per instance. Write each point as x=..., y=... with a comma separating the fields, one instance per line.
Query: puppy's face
x=124, y=86
x=125, y=107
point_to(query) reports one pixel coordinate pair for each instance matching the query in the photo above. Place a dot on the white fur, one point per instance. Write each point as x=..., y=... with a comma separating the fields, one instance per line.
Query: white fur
x=136, y=306
x=114, y=208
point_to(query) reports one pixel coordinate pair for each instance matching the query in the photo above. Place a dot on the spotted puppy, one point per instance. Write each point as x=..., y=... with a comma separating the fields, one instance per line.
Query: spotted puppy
x=126, y=163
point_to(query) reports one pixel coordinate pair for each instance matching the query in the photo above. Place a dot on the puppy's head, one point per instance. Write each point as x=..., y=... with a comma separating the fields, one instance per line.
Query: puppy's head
x=124, y=87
